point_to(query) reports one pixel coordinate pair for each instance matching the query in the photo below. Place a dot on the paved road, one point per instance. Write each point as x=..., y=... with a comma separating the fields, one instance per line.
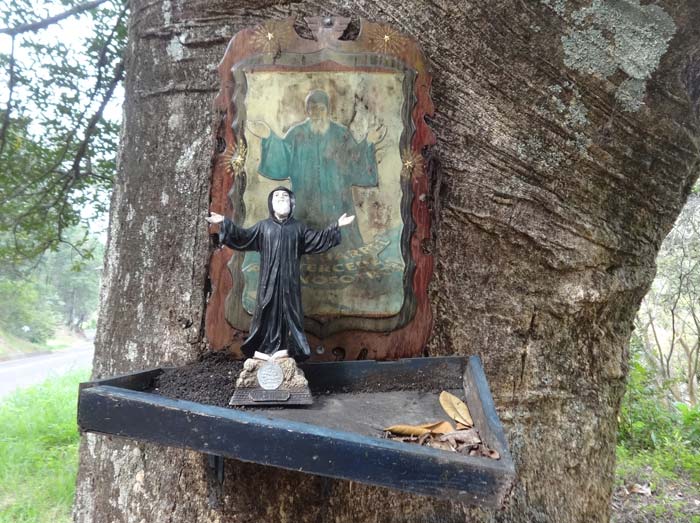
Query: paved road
x=27, y=371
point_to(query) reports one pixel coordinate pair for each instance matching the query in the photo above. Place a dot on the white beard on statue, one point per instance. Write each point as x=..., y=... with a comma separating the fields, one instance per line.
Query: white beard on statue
x=281, y=208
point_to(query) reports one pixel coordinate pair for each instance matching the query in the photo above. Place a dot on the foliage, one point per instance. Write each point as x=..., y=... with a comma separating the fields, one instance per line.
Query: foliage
x=658, y=450
x=690, y=424
x=74, y=278
x=57, y=146
x=644, y=419
x=668, y=323
x=39, y=451
x=61, y=287
x=25, y=310
x=654, y=432
x=659, y=431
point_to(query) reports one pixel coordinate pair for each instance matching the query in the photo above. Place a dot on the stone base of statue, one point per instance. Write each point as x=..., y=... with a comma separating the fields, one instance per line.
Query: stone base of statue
x=271, y=381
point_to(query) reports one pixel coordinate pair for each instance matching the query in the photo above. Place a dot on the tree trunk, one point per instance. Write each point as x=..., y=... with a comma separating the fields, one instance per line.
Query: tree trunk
x=567, y=145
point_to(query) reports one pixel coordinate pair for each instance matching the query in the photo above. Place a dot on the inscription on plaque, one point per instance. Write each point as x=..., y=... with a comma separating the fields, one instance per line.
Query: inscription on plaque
x=269, y=395
x=270, y=376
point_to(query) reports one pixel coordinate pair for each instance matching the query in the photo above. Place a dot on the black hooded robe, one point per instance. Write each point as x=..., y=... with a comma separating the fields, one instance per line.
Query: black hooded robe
x=278, y=318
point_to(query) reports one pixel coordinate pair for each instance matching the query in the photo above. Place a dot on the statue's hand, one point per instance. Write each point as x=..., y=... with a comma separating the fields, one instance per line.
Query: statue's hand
x=376, y=134
x=214, y=218
x=259, y=128
x=345, y=220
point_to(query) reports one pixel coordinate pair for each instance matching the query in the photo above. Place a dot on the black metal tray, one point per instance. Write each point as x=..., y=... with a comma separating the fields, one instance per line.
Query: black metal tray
x=338, y=436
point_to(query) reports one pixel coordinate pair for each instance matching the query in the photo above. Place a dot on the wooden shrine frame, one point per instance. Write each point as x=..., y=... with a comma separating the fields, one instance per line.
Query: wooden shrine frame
x=276, y=45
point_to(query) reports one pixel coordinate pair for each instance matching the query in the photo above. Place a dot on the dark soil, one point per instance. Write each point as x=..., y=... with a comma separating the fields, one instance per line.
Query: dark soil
x=210, y=380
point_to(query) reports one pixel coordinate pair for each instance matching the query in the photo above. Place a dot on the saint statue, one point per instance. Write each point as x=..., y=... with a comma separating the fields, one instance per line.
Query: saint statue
x=323, y=161
x=281, y=240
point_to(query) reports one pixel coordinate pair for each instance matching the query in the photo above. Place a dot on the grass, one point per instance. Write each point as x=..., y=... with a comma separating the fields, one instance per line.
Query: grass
x=39, y=451
x=673, y=476
x=666, y=466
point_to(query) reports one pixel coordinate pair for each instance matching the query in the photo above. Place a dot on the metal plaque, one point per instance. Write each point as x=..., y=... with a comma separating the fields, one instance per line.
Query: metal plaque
x=270, y=376
x=269, y=395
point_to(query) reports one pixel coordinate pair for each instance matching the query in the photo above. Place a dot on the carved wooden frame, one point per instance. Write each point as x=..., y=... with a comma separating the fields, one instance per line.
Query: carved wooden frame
x=331, y=49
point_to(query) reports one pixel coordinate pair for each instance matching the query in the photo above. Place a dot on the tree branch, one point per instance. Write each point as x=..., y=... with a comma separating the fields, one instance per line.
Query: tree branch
x=105, y=48
x=68, y=140
x=10, y=88
x=658, y=346
x=92, y=125
x=46, y=22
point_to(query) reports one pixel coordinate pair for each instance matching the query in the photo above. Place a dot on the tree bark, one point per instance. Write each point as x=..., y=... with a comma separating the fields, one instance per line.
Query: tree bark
x=567, y=145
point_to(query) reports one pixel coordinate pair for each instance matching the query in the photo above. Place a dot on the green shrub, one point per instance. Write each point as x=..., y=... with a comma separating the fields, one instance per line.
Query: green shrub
x=690, y=423
x=656, y=438
x=25, y=310
x=645, y=420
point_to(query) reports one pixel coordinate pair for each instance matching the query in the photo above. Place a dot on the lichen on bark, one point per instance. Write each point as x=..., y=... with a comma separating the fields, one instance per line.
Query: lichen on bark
x=624, y=35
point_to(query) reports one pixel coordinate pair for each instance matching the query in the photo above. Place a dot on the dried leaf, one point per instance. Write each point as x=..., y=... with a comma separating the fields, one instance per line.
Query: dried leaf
x=484, y=451
x=439, y=427
x=456, y=409
x=407, y=430
x=467, y=437
x=493, y=454
x=441, y=445
x=422, y=440
x=436, y=427
x=644, y=490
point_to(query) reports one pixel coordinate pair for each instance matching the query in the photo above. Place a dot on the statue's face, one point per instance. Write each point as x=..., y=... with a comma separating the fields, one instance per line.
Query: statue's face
x=281, y=204
x=317, y=111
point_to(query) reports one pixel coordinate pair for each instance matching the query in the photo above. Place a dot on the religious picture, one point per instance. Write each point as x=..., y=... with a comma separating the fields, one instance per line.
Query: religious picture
x=332, y=137
x=336, y=111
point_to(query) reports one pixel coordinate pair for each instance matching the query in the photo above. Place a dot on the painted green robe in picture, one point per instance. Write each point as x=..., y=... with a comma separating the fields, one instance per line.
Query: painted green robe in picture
x=322, y=168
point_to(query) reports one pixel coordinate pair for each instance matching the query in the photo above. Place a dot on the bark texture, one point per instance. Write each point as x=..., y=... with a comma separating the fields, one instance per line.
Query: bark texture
x=567, y=143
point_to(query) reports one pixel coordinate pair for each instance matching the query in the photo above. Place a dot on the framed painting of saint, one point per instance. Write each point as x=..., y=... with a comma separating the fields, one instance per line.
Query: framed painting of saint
x=334, y=111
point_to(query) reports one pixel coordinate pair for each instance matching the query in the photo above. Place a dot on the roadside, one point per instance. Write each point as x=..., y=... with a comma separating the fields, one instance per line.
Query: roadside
x=13, y=347
x=28, y=364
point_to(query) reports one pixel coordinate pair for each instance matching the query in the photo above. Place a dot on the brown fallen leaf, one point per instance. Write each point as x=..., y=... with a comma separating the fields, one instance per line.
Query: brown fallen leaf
x=425, y=438
x=436, y=427
x=440, y=445
x=644, y=490
x=407, y=430
x=456, y=409
x=466, y=437
x=483, y=451
x=439, y=427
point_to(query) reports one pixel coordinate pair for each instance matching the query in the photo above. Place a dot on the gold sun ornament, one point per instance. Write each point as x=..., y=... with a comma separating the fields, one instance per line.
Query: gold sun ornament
x=410, y=161
x=385, y=40
x=234, y=158
x=270, y=37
